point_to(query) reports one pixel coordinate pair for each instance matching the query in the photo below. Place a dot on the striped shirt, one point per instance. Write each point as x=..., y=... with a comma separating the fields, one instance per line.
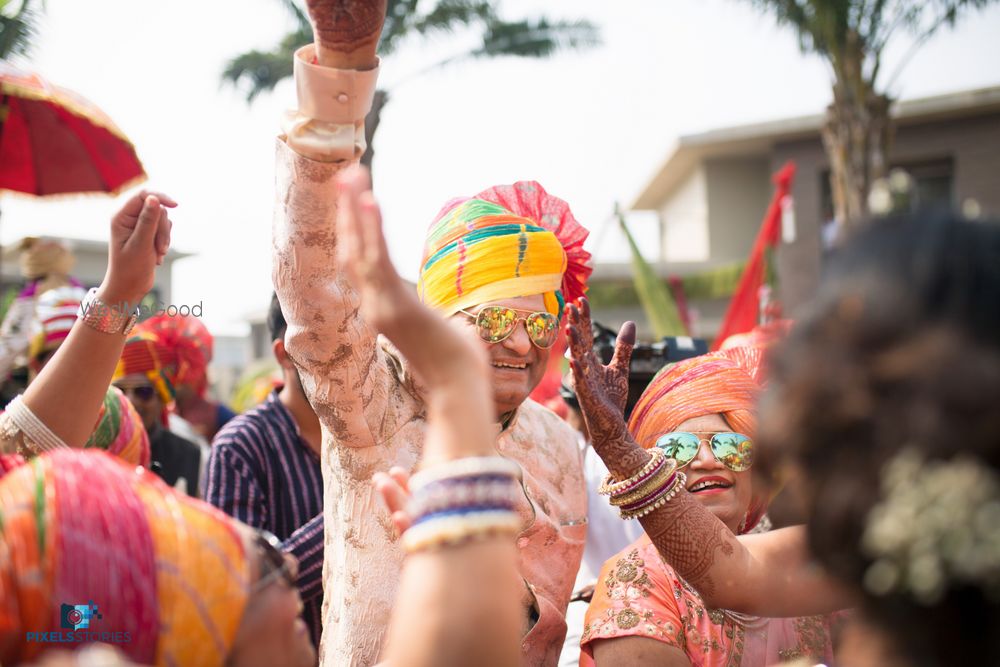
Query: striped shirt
x=263, y=473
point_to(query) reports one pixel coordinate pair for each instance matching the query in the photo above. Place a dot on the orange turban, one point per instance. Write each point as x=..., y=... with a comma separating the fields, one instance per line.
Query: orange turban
x=92, y=549
x=718, y=383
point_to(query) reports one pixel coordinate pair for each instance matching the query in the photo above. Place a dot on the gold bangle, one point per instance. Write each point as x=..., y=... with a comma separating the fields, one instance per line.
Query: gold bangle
x=610, y=487
x=656, y=503
x=649, y=486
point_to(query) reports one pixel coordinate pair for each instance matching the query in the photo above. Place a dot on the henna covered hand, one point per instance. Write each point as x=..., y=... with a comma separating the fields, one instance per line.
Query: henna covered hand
x=603, y=390
x=346, y=27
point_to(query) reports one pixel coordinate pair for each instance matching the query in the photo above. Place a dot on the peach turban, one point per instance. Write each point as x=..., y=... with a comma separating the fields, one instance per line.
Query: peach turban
x=718, y=383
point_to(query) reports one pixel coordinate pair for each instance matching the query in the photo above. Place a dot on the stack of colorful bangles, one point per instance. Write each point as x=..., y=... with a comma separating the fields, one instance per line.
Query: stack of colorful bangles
x=650, y=488
x=462, y=500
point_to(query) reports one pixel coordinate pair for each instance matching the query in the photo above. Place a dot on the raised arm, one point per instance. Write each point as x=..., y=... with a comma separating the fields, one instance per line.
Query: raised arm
x=81, y=369
x=335, y=350
x=766, y=575
x=456, y=604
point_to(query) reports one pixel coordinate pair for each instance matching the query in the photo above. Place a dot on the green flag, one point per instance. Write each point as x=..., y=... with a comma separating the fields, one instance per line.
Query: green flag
x=655, y=297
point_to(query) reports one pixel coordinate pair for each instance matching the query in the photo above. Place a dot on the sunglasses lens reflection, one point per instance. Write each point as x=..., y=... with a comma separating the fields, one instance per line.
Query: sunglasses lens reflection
x=495, y=323
x=734, y=450
x=680, y=446
x=543, y=329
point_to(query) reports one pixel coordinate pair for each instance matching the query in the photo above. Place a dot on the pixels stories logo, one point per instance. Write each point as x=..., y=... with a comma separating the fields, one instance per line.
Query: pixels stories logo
x=78, y=616
x=77, y=622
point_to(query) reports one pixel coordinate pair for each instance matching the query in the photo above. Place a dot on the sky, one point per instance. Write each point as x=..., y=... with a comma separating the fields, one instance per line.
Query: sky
x=591, y=126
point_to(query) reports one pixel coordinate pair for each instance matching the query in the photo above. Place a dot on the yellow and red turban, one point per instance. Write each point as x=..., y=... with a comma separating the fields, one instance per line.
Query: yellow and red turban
x=506, y=242
x=80, y=528
x=718, y=383
x=144, y=354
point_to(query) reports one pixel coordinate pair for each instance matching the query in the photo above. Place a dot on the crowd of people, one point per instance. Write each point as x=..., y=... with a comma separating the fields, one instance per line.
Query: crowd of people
x=400, y=499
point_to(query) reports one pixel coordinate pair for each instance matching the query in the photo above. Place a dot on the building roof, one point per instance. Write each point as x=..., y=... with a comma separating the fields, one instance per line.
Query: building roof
x=759, y=138
x=9, y=252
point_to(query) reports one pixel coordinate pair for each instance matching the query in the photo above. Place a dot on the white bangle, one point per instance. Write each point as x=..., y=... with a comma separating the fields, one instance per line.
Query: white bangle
x=472, y=466
x=38, y=437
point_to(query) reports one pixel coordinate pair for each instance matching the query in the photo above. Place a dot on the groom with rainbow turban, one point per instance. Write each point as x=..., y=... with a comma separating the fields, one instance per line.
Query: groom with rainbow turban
x=504, y=261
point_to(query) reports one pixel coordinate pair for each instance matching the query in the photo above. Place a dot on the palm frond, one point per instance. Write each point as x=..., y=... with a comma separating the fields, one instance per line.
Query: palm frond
x=18, y=29
x=299, y=14
x=398, y=17
x=258, y=72
x=403, y=19
x=537, y=38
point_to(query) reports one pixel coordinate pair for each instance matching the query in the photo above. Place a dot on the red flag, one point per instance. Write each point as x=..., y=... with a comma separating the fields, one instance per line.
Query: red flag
x=744, y=309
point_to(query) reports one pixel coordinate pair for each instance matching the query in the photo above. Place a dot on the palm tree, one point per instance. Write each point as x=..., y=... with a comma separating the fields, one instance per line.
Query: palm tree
x=260, y=71
x=851, y=35
x=18, y=23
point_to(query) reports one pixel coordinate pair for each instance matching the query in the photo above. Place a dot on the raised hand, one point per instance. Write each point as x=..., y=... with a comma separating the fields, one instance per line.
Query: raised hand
x=603, y=391
x=140, y=238
x=394, y=487
x=346, y=27
x=445, y=357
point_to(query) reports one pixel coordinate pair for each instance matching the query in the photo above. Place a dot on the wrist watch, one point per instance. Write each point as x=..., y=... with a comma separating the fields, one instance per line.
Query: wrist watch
x=112, y=318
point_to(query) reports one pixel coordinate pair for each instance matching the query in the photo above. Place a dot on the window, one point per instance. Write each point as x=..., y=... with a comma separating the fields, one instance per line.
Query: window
x=933, y=179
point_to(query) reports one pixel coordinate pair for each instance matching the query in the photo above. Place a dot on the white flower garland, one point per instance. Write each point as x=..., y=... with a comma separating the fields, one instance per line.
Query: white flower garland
x=938, y=524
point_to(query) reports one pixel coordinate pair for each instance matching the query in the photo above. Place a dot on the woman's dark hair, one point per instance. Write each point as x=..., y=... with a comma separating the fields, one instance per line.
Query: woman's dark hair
x=899, y=351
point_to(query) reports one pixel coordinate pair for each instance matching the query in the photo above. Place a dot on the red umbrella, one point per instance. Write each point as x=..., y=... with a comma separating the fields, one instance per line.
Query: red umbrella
x=53, y=141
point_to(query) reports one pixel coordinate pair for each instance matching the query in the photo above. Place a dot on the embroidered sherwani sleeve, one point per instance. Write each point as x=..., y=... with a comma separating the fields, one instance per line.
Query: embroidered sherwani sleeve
x=340, y=361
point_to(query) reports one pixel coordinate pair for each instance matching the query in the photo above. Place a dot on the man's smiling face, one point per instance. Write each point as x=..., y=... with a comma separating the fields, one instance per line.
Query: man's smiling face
x=518, y=364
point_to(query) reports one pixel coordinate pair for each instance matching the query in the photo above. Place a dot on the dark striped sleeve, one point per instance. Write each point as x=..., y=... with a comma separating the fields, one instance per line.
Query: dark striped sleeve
x=232, y=487
x=306, y=544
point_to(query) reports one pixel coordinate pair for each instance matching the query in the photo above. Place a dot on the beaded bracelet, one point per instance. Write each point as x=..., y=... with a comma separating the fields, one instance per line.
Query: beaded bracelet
x=656, y=484
x=444, y=495
x=466, y=467
x=655, y=501
x=455, y=530
x=612, y=488
x=462, y=500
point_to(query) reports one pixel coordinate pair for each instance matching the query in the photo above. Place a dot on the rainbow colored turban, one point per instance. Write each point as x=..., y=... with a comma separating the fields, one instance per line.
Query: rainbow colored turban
x=718, y=383
x=507, y=242
x=119, y=430
x=145, y=355
x=185, y=346
x=79, y=528
x=55, y=315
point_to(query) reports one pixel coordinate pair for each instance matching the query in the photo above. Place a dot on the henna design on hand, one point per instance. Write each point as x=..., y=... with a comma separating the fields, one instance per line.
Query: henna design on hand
x=603, y=391
x=346, y=25
x=690, y=538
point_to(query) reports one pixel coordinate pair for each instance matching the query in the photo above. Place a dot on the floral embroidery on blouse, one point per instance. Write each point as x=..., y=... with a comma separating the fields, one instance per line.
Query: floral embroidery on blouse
x=638, y=594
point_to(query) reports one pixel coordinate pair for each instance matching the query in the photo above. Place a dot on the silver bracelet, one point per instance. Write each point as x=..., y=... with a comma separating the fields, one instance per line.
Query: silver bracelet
x=38, y=437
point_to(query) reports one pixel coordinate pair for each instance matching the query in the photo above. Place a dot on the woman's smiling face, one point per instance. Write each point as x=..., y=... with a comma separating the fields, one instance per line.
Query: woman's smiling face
x=725, y=493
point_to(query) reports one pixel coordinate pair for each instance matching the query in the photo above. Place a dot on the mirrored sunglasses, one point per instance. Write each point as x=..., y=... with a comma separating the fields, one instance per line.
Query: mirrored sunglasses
x=496, y=323
x=733, y=450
